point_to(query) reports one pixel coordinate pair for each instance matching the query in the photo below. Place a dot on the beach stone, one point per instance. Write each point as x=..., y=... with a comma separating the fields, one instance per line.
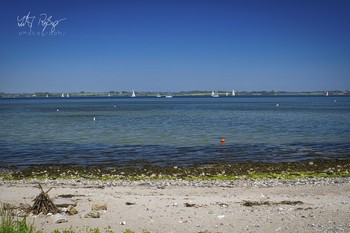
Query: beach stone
x=328, y=171
x=99, y=206
x=71, y=210
x=64, y=202
x=59, y=218
x=93, y=214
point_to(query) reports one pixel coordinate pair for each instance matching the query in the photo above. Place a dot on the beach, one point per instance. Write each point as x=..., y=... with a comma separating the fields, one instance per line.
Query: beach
x=247, y=205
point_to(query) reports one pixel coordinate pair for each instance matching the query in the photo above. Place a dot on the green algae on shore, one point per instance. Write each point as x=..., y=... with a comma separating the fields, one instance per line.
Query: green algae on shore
x=283, y=170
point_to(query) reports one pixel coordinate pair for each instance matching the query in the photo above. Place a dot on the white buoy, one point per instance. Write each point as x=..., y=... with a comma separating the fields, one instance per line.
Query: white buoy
x=94, y=118
x=335, y=101
x=57, y=110
x=277, y=105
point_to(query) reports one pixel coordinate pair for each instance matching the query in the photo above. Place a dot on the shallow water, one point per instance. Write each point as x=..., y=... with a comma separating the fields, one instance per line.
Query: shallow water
x=179, y=131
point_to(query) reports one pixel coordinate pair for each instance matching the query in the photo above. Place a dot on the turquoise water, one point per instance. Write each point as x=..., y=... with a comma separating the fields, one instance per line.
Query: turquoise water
x=178, y=131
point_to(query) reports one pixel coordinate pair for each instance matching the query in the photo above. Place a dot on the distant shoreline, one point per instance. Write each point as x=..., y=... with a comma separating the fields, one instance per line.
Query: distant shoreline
x=114, y=94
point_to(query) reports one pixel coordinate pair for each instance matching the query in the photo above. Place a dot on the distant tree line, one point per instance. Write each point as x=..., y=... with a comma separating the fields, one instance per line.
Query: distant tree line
x=163, y=93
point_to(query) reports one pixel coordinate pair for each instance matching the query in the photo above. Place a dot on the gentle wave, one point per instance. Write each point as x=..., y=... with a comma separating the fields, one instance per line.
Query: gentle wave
x=135, y=155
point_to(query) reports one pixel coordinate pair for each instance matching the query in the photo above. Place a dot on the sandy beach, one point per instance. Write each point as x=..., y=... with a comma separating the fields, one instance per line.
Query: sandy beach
x=310, y=205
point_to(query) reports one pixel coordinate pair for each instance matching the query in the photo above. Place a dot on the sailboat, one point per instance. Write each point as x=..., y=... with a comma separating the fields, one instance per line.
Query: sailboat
x=233, y=93
x=327, y=93
x=169, y=95
x=133, y=94
x=214, y=94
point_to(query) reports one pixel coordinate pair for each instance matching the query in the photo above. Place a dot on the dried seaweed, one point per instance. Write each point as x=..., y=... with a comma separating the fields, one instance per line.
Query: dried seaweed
x=259, y=203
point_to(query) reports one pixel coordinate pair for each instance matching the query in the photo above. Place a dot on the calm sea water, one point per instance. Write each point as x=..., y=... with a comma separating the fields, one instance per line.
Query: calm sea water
x=178, y=131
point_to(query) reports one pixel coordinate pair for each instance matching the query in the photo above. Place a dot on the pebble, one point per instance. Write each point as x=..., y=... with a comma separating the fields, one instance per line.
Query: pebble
x=71, y=210
x=99, y=206
x=59, y=218
x=64, y=202
x=196, y=183
x=93, y=214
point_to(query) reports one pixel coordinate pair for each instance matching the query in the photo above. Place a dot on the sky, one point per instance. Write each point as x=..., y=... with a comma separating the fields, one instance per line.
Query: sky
x=104, y=45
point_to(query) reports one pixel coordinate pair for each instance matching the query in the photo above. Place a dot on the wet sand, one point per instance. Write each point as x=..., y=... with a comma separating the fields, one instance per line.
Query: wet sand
x=309, y=205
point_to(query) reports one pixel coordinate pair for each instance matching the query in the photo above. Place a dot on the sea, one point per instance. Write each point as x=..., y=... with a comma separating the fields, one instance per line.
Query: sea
x=179, y=131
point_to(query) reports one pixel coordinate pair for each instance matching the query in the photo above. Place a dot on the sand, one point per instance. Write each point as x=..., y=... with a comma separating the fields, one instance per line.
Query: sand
x=293, y=206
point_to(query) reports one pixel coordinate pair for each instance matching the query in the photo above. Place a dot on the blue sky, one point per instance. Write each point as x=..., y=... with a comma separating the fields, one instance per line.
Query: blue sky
x=176, y=45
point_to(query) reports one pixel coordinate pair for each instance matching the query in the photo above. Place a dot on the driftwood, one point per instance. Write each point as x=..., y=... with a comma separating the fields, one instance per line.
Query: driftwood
x=43, y=204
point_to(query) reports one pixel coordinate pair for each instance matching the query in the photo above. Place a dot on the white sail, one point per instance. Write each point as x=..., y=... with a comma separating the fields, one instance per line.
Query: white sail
x=133, y=94
x=233, y=93
x=62, y=95
x=214, y=94
x=327, y=93
x=169, y=95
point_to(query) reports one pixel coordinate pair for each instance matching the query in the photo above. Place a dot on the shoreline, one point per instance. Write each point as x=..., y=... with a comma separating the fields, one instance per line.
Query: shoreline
x=320, y=168
x=153, y=94
x=196, y=183
x=267, y=205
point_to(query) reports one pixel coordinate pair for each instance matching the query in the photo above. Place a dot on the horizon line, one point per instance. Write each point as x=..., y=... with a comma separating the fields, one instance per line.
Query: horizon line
x=146, y=91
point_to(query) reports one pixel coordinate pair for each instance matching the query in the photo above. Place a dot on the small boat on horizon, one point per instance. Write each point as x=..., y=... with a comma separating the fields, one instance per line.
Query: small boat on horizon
x=168, y=95
x=233, y=93
x=158, y=95
x=133, y=94
x=214, y=94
